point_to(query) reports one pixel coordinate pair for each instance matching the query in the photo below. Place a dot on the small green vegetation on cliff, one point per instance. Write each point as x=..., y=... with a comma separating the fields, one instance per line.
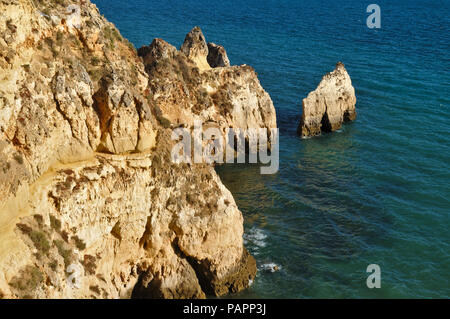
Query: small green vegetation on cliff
x=55, y=223
x=18, y=157
x=112, y=35
x=46, y=5
x=40, y=241
x=28, y=280
x=79, y=243
x=66, y=254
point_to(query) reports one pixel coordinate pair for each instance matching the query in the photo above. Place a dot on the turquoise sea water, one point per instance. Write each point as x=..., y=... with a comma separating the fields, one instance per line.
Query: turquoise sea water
x=376, y=192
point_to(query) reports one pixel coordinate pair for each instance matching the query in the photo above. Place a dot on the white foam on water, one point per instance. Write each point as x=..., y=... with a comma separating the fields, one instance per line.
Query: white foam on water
x=270, y=267
x=256, y=237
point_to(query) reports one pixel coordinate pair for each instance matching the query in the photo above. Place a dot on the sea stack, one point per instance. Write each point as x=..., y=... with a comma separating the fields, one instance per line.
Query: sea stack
x=330, y=105
x=196, y=49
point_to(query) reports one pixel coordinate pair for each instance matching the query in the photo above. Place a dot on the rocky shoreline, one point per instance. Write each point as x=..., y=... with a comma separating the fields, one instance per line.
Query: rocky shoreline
x=91, y=203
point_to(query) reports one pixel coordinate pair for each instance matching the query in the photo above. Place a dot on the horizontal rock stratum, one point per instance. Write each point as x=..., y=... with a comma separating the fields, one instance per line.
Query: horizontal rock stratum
x=329, y=105
x=91, y=205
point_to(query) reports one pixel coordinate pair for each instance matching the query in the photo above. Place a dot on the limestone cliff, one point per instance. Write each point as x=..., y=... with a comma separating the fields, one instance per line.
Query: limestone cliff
x=330, y=105
x=91, y=205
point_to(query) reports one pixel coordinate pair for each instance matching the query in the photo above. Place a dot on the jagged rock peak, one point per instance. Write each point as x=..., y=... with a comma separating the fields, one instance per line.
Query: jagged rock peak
x=217, y=56
x=331, y=104
x=157, y=50
x=196, y=49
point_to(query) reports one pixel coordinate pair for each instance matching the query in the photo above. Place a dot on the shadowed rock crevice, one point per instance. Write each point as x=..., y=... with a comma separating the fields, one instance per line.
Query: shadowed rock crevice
x=349, y=115
x=325, y=126
x=217, y=56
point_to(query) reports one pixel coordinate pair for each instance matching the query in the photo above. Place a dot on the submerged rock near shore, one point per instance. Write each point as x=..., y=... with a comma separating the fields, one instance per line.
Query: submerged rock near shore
x=91, y=205
x=330, y=105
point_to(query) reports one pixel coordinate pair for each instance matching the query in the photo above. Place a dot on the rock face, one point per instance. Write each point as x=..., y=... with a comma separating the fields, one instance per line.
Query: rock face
x=91, y=204
x=330, y=105
x=196, y=49
x=217, y=56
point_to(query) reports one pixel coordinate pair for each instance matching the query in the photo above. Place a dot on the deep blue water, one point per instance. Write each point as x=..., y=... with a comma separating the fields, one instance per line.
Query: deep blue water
x=377, y=192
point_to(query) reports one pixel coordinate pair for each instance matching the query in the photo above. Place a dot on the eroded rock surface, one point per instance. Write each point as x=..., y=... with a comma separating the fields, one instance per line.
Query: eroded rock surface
x=196, y=49
x=91, y=205
x=330, y=105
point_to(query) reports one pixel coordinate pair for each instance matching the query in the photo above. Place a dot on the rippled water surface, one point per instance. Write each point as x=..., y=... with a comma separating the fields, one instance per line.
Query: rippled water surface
x=375, y=192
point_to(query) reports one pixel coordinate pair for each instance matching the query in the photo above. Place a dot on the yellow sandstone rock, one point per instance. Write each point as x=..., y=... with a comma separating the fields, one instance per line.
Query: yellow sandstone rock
x=330, y=105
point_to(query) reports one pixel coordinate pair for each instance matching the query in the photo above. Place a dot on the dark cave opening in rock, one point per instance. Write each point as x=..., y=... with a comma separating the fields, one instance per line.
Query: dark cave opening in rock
x=347, y=117
x=325, y=124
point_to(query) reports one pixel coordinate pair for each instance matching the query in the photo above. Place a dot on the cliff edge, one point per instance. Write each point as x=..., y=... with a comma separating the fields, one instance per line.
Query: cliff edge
x=91, y=205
